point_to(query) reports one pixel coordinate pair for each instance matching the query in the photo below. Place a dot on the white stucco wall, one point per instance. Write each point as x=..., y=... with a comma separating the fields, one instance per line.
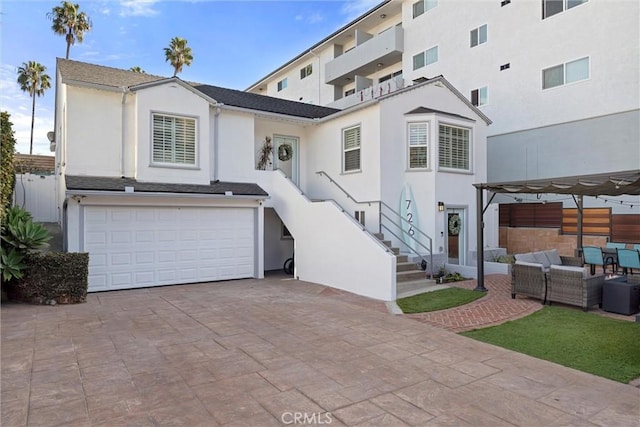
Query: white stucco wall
x=93, y=132
x=172, y=99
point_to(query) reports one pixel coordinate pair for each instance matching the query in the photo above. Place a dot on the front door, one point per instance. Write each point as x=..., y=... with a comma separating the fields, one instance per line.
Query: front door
x=286, y=158
x=455, y=236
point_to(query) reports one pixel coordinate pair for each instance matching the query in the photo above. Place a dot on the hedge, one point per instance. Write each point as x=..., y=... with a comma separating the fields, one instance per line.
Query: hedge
x=60, y=277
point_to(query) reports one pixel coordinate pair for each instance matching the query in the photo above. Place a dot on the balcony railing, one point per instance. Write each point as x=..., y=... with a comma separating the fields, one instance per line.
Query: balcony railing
x=386, y=48
x=371, y=92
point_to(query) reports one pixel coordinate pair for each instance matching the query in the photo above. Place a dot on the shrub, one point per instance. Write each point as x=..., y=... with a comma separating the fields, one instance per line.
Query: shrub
x=7, y=175
x=53, y=276
x=20, y=236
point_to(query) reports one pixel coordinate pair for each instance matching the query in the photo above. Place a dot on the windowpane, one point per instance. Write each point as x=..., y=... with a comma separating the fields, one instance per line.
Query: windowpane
x=552, y=77
x=551, y=7
x=173, y=140
x=453, y=147
x=484, y=95
x=418, y=8
x=475, y=96
x=574, y=3
x=474, y=38
x=482, y=37
x=418, y=148
x=431, y=55
x=577, y=70
x=418, y=61
x=351, y=149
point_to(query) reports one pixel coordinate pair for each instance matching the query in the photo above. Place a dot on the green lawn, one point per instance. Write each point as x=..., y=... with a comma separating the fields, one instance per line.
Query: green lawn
x=438, y=300
x=588, y=342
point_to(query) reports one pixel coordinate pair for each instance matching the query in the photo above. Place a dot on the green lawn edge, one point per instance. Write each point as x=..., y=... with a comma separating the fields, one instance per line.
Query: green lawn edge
x=588, y=342
x=438, y=300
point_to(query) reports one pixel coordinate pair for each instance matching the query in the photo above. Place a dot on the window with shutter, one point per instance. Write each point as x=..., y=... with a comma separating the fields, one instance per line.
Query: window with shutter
x=453, y=148
x=351, y=149
x=418, y=145
x=174, y=140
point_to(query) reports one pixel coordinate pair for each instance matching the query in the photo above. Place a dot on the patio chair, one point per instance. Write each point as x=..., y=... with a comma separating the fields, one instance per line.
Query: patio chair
x=614, y=245
x=572, y=285
x=628, y=259
x=593, y=256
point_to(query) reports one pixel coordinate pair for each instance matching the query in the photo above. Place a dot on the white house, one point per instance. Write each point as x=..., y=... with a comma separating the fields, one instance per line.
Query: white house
x=560, y=79
x=159, y=181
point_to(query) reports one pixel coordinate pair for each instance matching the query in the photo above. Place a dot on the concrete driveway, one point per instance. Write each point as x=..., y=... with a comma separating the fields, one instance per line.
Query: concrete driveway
x=276, y=352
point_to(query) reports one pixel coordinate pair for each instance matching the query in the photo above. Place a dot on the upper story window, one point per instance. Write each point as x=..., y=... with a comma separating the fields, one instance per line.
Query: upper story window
x=282, y=84
x=418, y=136
x=480, y=96
x=566, y=73
x=351, y=149
x=478, y=35
x=389, y=76
x=174, y=139
x=454, y=147
x=553, y=7
x=306, y=71
x=425, y=58
x=423, y=6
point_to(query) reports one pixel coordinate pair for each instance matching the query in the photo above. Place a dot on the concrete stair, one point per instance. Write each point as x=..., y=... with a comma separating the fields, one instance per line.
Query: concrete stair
x=410, y=278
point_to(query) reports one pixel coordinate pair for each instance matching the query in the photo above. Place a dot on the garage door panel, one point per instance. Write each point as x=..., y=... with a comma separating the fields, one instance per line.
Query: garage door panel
x=149, y=246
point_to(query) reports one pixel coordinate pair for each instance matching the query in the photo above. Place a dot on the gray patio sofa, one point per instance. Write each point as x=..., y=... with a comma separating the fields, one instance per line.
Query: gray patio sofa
x=574, y=286
x=529, y=274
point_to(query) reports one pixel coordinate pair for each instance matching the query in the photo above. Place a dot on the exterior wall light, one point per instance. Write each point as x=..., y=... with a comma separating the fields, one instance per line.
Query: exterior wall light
x=441, y=206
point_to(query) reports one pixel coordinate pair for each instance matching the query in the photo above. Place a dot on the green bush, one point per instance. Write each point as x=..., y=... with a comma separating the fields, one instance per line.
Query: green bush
x=53, y=276
x=20, y=236
x=7, y=175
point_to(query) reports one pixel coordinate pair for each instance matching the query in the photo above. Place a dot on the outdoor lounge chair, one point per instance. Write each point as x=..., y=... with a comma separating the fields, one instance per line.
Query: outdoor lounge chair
x=615, y=245
x=628, y=259
x=593, y=255
x=574, y=286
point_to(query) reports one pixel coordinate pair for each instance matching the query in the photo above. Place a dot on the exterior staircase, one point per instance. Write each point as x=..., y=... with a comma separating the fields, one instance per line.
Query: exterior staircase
x=410, y=278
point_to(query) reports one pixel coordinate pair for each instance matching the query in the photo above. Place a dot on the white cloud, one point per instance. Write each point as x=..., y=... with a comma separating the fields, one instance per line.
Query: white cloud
x=18, y=104
x=138, y=8
x=354, y=8
x=311, y=18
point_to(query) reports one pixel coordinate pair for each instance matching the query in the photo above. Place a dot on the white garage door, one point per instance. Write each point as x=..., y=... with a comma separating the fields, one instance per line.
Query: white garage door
x=133, y=247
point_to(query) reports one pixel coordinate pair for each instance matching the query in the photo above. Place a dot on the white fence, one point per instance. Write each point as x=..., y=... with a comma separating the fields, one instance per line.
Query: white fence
x=37, y=194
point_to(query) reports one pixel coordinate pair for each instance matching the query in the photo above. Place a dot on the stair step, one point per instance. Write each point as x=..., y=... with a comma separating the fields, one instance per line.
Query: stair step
x=401, y=258
x=407, y=289
x=386, y=243
x=405, y=276
x=379, y=235
x=406, y=266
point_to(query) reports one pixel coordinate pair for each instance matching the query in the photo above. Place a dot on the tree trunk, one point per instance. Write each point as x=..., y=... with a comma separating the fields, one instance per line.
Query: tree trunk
x=33, y=116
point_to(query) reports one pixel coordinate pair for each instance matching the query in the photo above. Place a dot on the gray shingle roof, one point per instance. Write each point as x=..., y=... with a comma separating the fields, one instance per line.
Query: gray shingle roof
x=75, y=71
x=98, y=183
x=270, y=104
x=100, y=75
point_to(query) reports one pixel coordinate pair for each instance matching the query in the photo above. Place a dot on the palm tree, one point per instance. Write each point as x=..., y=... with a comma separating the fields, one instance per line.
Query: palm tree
x=137, y=69
x=178, y=54
x=69, y=22
x=33, y=79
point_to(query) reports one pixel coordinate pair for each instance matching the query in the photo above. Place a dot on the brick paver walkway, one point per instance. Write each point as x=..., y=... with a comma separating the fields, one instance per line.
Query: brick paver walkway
x=494, y=308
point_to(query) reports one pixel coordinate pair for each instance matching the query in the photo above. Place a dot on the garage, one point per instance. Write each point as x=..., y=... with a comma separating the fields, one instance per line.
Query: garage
x=133, y=247
x=164, y=234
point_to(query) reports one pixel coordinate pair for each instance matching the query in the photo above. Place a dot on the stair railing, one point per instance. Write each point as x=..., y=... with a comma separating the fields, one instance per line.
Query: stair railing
x=398, y=225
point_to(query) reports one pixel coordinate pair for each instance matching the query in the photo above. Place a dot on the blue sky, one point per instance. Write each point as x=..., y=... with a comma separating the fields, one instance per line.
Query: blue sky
x=234, y=43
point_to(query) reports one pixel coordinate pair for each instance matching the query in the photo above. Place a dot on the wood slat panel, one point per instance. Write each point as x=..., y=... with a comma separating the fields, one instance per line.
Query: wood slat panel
x=595, y=221
x=625, y=228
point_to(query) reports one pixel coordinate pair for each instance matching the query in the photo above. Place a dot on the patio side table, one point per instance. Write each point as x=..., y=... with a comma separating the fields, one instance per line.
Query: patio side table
x=620, y=296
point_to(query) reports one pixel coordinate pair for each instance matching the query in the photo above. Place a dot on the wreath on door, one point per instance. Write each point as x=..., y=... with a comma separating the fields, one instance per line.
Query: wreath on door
x=454, y=225
x=285, y=152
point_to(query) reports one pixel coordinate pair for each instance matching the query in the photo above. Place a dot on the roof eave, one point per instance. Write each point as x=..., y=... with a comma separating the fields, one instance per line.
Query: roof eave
x=121, y=193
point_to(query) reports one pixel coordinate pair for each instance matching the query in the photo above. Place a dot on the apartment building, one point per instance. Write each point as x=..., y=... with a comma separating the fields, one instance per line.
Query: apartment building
x=558, y=78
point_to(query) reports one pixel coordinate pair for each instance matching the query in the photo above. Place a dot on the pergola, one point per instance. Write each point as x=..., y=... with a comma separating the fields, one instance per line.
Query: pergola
x=603, y=184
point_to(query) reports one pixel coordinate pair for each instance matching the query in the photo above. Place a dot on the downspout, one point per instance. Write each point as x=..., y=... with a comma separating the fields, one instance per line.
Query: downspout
x=125, y=90
x=216, y=114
